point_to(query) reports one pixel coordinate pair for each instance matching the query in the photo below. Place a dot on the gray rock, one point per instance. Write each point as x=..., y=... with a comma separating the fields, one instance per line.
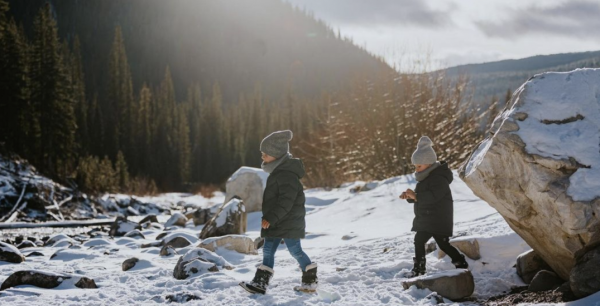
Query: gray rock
x=9, y=253
x=181, y=297
x=183, y=269
x=453, y=287
x=149, y=218
x=545, y=280
x=177, y=219
x=231, y=219
x=26, y=244
x=42, y=279
x=167, y=250
x=201, y=216
x=129, y=263
x=161, y=235
x=178, y=242
x=121, y=227
x=35, y=253
x=238, y=243
x=135, y=234
x=585, y=276
x=259, y=242
x=469, y=247
x=529, y=264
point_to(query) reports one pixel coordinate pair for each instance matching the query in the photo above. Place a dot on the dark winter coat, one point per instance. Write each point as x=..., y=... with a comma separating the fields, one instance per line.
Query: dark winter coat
x=283, y=201
x=434, y=209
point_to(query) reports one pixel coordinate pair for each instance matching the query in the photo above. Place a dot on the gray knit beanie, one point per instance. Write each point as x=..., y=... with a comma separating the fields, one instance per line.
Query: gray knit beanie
x=424, y=155
x=277, y=143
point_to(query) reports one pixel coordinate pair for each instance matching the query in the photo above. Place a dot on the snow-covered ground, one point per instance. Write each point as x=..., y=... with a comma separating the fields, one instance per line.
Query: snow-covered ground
x=361, y=241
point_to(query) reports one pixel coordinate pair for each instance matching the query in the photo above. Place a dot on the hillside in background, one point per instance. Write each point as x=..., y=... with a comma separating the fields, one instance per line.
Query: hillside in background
x=495, y=78
x=238, y=44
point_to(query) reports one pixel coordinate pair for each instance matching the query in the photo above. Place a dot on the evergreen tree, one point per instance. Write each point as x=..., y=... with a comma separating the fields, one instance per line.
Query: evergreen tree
x=212, y=142
x=143, y=130
x=78, y=87
x=119, y=119
x=121, y=172
x=18, y=130
x=52, y=102
x=194, y=100
x=96, y=128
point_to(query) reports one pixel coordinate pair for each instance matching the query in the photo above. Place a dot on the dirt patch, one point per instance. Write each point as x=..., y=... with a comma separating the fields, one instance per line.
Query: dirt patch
x=522, y=295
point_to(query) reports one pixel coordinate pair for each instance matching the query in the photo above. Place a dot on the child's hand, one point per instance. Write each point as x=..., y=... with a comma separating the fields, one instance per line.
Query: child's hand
x=403, y=196
x=265, y=224
x=410, y=194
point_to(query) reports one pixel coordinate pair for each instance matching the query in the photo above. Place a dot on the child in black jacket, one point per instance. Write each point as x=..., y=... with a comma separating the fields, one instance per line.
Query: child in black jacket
x=433, y=206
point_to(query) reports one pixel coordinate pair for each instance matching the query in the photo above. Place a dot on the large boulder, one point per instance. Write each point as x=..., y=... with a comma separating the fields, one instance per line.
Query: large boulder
x=529, y=264
x=238, y=243
x=247, y=184
x=453, y=284
x=540, y=165
x=9, y=253
x=231, y=219
x=45, y=280
x=197, y=261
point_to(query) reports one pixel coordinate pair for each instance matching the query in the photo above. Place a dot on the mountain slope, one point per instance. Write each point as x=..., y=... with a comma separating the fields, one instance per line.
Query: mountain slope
x=495, y=78
x=238, y=44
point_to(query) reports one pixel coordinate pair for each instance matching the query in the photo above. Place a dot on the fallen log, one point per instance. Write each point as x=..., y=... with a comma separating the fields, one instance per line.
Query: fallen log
x=57, y=224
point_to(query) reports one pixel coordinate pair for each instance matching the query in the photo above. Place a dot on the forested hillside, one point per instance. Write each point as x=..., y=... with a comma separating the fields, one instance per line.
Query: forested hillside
x=490, y=81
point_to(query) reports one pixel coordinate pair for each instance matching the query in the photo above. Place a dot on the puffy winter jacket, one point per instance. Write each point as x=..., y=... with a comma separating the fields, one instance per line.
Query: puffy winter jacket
x=434, y=209
x=283, y=201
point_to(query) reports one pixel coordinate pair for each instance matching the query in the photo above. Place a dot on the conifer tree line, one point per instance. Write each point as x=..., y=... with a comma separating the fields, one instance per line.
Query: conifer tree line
x=144, y=139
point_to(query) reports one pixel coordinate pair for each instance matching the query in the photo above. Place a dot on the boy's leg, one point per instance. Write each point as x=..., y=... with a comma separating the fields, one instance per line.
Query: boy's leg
x=421, y=239
x=269, y=249
x=295, y=249
x=444, y=243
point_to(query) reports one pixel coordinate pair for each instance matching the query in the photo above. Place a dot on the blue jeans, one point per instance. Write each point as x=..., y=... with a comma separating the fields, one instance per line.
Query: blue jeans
x=293, y=245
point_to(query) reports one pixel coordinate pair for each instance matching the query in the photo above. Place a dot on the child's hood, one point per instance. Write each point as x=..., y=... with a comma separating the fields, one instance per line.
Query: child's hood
x=444, y=171
x=293, y=165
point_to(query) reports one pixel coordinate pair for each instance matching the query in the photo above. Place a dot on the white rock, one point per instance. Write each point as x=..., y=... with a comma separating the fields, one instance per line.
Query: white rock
x=248, y=184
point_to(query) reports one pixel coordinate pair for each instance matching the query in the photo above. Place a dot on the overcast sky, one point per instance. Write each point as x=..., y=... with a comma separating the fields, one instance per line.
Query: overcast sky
x=458, y=32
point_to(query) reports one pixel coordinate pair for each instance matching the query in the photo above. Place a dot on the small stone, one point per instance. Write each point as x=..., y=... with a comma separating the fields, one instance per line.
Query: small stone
x=129, y=263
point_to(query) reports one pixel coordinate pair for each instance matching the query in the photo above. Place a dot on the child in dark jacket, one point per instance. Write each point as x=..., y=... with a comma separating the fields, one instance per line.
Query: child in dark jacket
x=433, y=206
x=283, y=213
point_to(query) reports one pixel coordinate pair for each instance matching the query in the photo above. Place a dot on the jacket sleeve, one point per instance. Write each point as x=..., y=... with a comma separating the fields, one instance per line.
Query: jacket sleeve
x=287, y=192
x=437, y=188
x=410, y=201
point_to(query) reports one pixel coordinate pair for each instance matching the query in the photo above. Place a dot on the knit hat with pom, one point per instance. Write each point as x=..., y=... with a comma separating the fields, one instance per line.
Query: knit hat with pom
x=424, y=155
x=277, y=143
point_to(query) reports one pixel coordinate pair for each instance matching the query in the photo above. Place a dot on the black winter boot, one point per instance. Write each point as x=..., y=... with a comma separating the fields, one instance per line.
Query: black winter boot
x=461, y=263
x=419, y=267
x=309, y=279
x=260, y=282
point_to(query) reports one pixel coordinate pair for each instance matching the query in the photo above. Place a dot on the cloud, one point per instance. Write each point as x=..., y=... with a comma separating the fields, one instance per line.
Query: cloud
x=578, y=18
x=379, y=13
